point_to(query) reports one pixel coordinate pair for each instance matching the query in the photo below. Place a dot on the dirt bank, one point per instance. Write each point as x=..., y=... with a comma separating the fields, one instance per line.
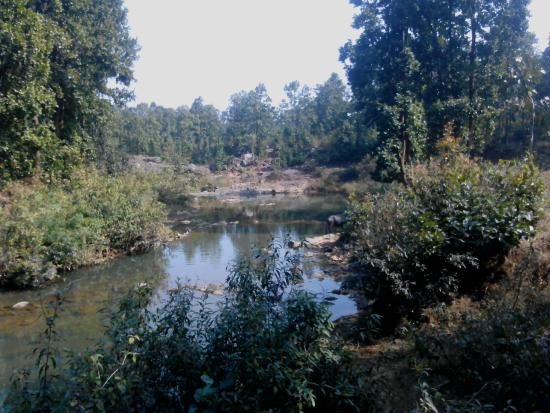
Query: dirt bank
x=258, y=180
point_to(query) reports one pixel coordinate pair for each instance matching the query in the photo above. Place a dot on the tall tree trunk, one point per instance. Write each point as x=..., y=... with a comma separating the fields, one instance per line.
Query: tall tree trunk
x=533, y=115
x=59, y=118
x=405, y=155
x=473, y=70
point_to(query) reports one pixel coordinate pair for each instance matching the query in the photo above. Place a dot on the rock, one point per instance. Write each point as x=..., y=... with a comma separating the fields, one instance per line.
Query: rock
x=247, y=159
x=322, y=240
x=340, y=291
x=336, y=258
x=186, y=222
x=295, y=244
x=20, y=305
x=318, y=275
x=336, y=221
x=213, y=289
x=249, y=192
x=50, y=274
x=232, y=200
x=181, y=236
x=152, y=159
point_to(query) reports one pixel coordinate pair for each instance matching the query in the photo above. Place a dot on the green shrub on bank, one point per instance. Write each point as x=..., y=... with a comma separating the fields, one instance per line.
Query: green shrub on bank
x=440, y=236
x=265, y=347
x=80, y=221
x=171, y=187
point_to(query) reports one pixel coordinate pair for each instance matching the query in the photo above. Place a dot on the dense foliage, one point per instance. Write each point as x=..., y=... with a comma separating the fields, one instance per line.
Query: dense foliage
x=62, y=63
x=83, y=220
x=419, y=69
x=440, y=236
x=309, y=125
x=422, y=66
x=265, y=347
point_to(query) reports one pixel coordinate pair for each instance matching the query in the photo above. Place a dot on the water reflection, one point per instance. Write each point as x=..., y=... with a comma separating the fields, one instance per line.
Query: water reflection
x=202, y=257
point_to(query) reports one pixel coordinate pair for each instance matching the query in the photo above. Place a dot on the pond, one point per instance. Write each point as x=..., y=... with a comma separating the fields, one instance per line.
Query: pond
x=222, y=232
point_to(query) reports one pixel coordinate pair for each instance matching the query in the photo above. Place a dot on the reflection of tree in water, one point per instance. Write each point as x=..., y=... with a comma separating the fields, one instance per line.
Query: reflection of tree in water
x=205, y=243
x=299, y=208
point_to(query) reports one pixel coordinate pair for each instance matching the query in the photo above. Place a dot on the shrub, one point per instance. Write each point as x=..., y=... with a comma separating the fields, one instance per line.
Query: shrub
x=266, y=347
x=441, y=235
x=492, y=359
x=77, y=222
x=171, y=187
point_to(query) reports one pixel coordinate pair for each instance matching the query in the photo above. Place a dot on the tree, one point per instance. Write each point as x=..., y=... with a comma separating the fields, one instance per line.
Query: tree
x=26, y=101
x=250, y=122
x=388, y=87
x=454, y=60
x=295, y=119
x=544, y=85
x=59, y=60
x=543, y=93
x=93, y=47
x=207, y=135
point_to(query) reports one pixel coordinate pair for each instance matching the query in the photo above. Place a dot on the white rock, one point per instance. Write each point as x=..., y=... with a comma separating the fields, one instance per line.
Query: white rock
x=20, y=305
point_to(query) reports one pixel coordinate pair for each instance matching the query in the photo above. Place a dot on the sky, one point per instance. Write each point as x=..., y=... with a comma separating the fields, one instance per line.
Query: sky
x=215, y=48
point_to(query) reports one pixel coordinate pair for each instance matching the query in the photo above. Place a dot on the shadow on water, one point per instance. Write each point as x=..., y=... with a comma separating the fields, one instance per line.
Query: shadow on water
x=222, y=233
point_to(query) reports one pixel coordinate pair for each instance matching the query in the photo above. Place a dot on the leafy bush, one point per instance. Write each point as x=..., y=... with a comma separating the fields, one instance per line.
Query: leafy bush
x=492, y=359
x=172, y=188
x=266, y=348
x=77, y=222
x=439, y=236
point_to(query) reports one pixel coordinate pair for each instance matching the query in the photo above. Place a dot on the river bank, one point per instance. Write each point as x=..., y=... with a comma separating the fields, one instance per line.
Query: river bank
x=220, y=233
x=262, y=177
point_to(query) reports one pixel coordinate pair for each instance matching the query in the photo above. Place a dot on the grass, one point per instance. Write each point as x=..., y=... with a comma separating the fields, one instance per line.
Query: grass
x=47, y=229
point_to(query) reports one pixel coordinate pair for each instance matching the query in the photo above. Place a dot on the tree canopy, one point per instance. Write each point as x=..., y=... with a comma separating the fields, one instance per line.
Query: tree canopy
x=62, y=64
x=422, y=68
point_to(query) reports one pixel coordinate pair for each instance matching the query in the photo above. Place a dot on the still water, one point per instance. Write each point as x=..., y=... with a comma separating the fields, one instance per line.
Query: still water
x=222, y=232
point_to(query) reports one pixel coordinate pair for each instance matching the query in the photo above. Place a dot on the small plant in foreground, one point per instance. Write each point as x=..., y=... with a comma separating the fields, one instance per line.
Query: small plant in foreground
x=265, y=347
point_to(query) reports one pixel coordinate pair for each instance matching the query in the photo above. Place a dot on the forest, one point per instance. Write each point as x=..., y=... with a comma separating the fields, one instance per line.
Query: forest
x=418, y=72
x=444, y=115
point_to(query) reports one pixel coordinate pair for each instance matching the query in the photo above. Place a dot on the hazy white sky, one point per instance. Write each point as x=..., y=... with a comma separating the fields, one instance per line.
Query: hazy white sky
x=214, y=48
